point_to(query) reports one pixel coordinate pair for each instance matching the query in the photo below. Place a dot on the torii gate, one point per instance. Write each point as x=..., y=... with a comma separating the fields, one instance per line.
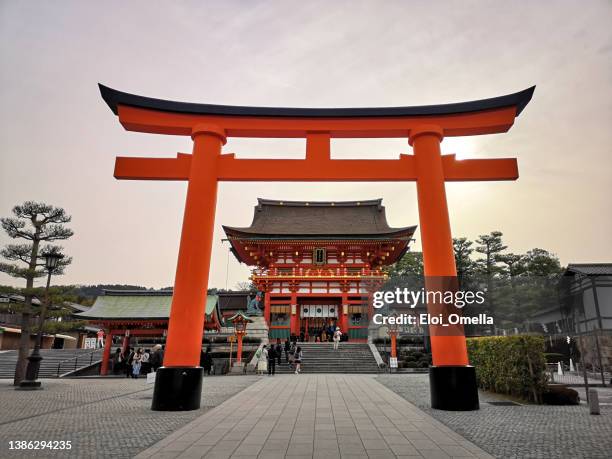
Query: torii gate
x=179, y=382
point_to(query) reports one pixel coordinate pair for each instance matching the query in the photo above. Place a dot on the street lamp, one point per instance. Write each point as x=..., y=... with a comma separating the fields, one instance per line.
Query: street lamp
x=31, y=380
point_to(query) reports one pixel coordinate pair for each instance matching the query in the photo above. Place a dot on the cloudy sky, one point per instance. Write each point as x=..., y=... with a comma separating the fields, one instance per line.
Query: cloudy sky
x=58, y=139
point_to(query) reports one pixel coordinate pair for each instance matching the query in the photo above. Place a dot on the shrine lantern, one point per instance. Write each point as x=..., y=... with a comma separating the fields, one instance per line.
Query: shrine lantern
x=239, y=321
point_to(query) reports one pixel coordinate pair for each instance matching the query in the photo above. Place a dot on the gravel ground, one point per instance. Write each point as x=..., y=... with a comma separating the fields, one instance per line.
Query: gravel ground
x=527, y=431
x=101, y=417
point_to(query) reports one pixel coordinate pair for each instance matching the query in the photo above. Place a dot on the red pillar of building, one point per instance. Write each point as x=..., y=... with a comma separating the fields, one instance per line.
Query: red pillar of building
x=106, y=355
x=126, y=341
x=178, y=384
x=267, y=307
x=343, y=317
x=452, y=381
x=294, y=321
x=239, y=349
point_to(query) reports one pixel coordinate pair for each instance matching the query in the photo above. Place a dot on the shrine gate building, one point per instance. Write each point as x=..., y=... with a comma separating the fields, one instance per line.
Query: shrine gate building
x=317, y=264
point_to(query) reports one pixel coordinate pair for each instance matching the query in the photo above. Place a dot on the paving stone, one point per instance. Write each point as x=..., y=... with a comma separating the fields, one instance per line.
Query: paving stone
x=112, y=416
x=534, y=431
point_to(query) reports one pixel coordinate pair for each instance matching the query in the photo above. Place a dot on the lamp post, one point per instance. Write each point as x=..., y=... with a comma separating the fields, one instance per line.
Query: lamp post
x=31, y=380
x=239, y=321
x=393, y=330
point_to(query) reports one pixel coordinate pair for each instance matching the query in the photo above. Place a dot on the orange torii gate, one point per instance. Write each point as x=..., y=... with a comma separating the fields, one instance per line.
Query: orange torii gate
x=179, y=382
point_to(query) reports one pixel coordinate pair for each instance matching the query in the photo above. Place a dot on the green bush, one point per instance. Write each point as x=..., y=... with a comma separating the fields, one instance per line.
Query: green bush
x=513, y=365
x=560, y=395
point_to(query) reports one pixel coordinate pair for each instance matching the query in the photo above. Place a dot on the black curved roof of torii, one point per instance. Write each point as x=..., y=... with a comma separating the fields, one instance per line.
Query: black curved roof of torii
x=115, y=98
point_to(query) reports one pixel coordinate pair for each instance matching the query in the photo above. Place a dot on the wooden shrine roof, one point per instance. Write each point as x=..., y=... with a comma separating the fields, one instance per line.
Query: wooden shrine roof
x=319, y=220
x=138, y=305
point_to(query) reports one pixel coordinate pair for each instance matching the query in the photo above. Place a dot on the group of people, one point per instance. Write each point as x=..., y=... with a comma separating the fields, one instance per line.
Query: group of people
x=269, y=356
x=324, y=334
x=134, y=362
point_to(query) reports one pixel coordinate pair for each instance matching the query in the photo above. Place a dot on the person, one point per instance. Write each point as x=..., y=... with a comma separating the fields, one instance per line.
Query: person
x=129, y=353
x=157, y=357
x=117, y=359
x=337, y=337
x=146, y=365
x=298, y=360
x=292, y=355
x=136, y=363
x=287, y=348
x=262, y=360
x=302, y=335
x=207, y=361
x=278, y=351
x=272, y=360
x=100, y=341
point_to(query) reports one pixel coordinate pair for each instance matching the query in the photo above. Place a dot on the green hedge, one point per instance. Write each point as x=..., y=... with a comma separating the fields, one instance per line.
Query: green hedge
x=513, y=365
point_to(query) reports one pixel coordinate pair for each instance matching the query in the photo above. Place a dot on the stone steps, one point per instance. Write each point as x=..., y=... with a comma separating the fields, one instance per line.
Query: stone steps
x=51, y=359
x=350, y=358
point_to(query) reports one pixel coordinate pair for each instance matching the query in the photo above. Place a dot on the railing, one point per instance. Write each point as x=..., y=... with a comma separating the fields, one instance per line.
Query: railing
x=63, y=364
x=576, y=377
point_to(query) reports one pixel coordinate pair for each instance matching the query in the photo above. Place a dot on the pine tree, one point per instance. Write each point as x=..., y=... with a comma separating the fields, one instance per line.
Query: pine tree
x=37, y=224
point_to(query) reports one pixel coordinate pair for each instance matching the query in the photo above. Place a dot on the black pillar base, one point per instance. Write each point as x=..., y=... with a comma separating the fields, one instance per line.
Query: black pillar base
x=27, y=384
x=453, y=388
x=177, y=389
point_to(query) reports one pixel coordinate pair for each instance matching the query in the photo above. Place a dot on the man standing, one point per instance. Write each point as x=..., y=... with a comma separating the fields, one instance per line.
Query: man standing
x=278, y=351
x=272, y=360
x=287, y=348
x=157, y=357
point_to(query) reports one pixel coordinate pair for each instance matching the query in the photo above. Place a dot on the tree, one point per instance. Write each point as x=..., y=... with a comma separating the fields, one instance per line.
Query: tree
x=411, y=264
x=245, y=286
x=491, y=246
x=36, y=223
x=510, y=292
x=465, y=266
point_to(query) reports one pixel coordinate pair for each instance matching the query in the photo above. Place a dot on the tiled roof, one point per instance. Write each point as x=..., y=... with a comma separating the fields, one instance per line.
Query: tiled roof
x=137, y=305
x=301, y=219
x=590, y=269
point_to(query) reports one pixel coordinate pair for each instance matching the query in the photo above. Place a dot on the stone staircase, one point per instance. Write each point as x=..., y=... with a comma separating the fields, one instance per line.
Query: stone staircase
x=321, y=358
x=65, y=359
x=258, y=329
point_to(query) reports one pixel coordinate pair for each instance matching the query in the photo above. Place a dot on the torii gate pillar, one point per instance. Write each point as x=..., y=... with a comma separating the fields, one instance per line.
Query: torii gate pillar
x=452, y=380
x=178, y=384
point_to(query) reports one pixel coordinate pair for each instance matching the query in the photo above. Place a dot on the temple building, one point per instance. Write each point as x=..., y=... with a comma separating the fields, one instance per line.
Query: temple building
x=133, y=315
x=317, y=264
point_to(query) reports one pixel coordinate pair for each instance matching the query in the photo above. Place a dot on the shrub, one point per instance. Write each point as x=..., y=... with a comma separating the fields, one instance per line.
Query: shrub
x=560, y=395
x=513, y=365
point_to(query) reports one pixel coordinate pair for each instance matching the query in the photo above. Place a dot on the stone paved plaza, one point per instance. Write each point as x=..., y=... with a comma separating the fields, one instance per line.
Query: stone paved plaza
x=527, y=431
x=101, y=417
x=312, y=416
x=315, y=416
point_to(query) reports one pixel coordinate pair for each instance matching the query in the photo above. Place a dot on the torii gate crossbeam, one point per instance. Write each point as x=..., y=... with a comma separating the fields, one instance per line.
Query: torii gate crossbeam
x=178, y=382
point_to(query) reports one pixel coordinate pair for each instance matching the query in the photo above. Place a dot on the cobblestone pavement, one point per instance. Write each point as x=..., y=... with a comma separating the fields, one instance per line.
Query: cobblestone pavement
x=101, y=417
x=528, y=431
x=315, y=416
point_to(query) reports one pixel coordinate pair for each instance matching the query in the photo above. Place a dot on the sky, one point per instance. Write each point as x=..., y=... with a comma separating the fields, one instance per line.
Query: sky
x=59, y=140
